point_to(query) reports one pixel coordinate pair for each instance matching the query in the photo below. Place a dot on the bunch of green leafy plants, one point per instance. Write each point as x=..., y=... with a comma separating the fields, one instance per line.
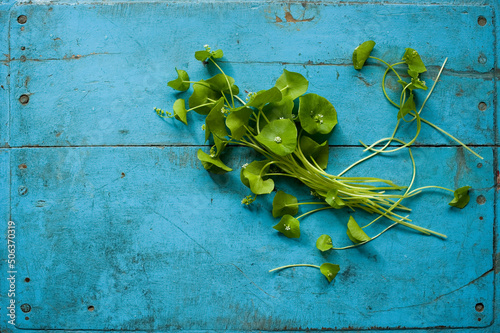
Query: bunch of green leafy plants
x=281, y=124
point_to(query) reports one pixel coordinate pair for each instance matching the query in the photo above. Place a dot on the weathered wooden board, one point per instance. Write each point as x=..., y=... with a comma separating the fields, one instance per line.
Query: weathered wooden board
x=98, y=83
x=152, y=241
x=113, y=211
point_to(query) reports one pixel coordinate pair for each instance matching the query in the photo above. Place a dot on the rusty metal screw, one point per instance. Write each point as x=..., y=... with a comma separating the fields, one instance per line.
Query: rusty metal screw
x=24, y=99
x=25, y=307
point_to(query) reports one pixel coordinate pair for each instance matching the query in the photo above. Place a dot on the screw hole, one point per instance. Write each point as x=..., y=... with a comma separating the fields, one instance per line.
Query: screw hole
x=482, y=59
x=481, y=200
x=479, y=307
x=91, y=308
x=27, y=280
x=24, y=99
x=480, y=165
x=22, y=58
x=23, y=48
x=21, y=19
x=481, y=20
x=482, y=106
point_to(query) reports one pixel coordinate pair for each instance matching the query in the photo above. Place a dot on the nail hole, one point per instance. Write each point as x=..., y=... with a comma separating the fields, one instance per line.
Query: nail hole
x=21, y=19
x=23, y=58
x=123, y=174
x=481, y=20
x=481, y=218
x=27, y=280
x=482, y=106
x=481, y=199
x=26, y=318
x=24, y=99
x=479, y=307
x=23, y=48
x=480, y=165
x=482, y=59
x=25, y=308
x=91, y=308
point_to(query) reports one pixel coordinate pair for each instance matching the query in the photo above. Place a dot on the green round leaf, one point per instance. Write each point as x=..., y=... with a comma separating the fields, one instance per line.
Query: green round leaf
x=330, y=271
x=180, y=111
x=250, y=176
x=212, y=164
x=202, y=55
x=215, y=121
x=324, y=243
x=413, y=60
x=217, y=54
x=180, y=83
x=332, y=198
x=361, y=53
x=292, y=84
x=280, y=136
x=314, y=150
x=263, y=97
x=408, y=106
x=355, y=233
x=218, y=83
x=316, y=114
x=201, y=95
x=284, y=204
x=288, y=226
x=461, y=197
x=237, y=120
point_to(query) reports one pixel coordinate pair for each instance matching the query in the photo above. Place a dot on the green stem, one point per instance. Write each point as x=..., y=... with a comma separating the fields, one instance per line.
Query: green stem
x=227, y=80
x=296, y=265
x=313, y=211
x=363, y=243
x=239, y=99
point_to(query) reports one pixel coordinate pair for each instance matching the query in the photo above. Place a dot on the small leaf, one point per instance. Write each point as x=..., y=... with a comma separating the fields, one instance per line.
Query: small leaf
x=237, y=120
x=316, y=114
x=413, y=60
x=180, y=83
x=180, y=111
x=201, y=95
x=279, y=110
x=324, y=243
x=330, y=271
x=292, y=84
x=414, y=84
x=284, y=204
x=250, y=176
x=355, y=233
x=332, y=198
x=220, y=145
x=461, y=197
x=312, y=149
x=217, y=54
x=361, y=53
x=260, y=98
x=202, y=55
x=280, y=136
x=215, y=121
x=408, y=106
x=288, y=226
x=218, y=83
x=212, y=164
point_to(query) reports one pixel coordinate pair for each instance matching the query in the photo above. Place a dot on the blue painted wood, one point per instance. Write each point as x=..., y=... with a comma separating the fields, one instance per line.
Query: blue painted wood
x=153, y=242
x=98, y=83
x=120, y=228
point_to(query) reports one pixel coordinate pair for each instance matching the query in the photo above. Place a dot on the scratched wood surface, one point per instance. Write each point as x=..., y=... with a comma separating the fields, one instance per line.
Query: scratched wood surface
x=115, y=212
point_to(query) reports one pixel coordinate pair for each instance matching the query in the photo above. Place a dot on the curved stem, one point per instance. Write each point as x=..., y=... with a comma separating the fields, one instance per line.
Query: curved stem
x=227, y=80
x=363, y=243
x=296, y=265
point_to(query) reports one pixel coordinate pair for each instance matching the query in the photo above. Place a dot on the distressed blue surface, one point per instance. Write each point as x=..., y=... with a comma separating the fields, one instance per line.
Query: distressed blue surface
x=75, y=71
x=146, y=254
x=153, y=242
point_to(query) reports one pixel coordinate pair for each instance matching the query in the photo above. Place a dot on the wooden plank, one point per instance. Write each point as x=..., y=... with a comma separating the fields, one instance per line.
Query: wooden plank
x=96, y=84
x=153, y=242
